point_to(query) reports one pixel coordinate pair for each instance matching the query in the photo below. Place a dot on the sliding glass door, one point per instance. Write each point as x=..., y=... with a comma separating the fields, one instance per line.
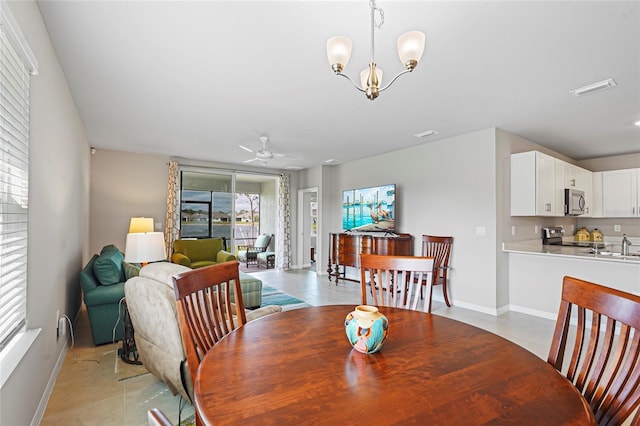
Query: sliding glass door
x=234, y=206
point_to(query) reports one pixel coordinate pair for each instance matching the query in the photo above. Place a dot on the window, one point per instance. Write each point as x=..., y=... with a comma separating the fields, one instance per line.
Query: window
x=16, y=64
x=205, y=214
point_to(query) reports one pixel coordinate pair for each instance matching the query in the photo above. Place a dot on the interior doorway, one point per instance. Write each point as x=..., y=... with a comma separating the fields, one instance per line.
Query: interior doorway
x=308, y=240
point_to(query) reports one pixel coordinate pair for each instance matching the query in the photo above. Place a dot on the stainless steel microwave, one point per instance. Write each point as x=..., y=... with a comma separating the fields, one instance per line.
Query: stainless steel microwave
x=574, y=202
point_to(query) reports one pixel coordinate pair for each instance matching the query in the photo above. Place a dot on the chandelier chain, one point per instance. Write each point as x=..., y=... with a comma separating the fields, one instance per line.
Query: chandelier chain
x=377, y=24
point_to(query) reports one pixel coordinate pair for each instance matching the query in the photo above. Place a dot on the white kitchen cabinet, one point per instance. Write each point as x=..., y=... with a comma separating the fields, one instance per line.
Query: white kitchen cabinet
x=569, y=176
x=533, y=185
x=620, y=193
x=596, y=210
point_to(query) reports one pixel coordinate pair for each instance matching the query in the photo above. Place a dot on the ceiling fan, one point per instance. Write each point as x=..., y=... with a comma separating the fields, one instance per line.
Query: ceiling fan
x=263, y=154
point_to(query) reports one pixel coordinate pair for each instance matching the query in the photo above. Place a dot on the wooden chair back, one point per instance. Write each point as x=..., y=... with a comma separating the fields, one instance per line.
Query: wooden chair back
x=440, y=249
x=205, y=311
x=604, y=347
x=394, y=280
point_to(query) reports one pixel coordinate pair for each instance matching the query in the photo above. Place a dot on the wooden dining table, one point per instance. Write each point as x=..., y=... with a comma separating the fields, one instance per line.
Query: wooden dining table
x=297, y=367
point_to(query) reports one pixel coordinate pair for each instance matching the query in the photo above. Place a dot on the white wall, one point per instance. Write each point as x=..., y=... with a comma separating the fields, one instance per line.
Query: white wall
x=616, y=162
x=446, y=187
x=58, y=223
x=125, y=185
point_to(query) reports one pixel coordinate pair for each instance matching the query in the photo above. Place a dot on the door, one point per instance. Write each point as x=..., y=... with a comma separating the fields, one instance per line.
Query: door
x=308, y=240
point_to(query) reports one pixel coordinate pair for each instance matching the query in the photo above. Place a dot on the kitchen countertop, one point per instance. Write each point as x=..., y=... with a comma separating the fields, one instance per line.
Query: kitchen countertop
x=611, y=252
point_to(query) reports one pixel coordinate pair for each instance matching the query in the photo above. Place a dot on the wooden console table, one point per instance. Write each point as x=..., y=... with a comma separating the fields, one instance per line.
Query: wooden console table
x=345, y=249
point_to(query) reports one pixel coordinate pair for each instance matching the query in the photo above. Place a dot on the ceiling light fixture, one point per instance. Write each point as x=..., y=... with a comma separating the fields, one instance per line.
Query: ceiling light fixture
x=637, y=123
x=595, y=87
x=410, y=49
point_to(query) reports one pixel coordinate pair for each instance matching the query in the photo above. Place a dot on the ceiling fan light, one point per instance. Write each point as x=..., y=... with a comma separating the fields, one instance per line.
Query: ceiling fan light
x=364, y=76
x=338, y=52
x=411, y=48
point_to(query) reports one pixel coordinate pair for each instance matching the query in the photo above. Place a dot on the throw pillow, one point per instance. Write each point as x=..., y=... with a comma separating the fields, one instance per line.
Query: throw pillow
x=108, y=266
x=130, y=270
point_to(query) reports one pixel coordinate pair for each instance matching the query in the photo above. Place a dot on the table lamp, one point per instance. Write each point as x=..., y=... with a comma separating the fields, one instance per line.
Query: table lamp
x=145, y=247
x=140, y=224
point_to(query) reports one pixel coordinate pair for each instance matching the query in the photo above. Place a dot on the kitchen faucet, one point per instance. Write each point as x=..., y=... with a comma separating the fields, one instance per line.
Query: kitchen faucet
x=625, y=245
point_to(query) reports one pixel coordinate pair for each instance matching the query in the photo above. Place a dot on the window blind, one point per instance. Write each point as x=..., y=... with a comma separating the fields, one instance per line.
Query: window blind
x=14, y=186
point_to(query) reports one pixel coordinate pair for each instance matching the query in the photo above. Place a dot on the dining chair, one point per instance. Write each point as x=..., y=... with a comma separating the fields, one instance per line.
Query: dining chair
x=440, y=249
x=604, y=347
x=395, y=280
x=156, y=417
x=205, y=311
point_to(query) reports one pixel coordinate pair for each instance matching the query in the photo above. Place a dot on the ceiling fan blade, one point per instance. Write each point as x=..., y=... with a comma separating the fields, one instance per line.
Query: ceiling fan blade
x=245, y=148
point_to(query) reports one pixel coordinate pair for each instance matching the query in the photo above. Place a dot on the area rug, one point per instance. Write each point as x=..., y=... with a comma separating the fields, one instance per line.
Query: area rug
x=273, y=296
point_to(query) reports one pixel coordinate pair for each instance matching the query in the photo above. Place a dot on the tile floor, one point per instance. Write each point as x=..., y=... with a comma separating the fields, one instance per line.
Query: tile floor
x=87, y=391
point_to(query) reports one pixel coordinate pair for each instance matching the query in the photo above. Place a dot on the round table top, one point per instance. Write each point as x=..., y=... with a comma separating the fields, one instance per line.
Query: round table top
x=297, y=367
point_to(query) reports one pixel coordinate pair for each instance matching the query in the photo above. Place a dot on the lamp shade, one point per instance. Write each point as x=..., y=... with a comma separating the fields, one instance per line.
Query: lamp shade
x=339, y=50
x=141, y=224
x=145, y=247
x=364, y=75
x=411, y=46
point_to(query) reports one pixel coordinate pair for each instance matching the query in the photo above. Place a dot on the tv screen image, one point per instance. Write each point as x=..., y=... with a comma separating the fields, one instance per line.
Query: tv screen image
x=369, y=209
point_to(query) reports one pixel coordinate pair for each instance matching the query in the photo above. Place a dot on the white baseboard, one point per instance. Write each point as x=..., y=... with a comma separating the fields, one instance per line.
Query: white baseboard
x=37, y=417
x=533, y=312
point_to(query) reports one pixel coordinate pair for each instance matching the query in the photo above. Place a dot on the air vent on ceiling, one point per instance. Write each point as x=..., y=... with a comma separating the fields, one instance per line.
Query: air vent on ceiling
x=595, y=87
x=425, y=134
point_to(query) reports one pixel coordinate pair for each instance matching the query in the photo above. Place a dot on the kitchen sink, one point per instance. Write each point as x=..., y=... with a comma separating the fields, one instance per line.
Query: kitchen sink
x=611, y=254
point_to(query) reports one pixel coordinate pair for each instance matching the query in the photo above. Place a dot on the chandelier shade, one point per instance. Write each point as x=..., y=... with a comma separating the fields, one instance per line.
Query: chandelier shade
x=364, y=76
x=410, y=50
x=339, y=51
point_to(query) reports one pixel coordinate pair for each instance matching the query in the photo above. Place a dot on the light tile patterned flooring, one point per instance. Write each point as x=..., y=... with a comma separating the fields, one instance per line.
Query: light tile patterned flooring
x=87, y=391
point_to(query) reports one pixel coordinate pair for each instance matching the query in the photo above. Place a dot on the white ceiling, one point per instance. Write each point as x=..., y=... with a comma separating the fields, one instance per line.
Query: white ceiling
x=195, y=79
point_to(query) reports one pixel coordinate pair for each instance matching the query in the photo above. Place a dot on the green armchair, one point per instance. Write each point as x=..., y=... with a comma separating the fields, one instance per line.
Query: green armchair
x=198, y=253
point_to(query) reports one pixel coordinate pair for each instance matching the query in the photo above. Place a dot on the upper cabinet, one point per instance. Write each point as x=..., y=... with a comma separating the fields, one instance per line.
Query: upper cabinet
x=538, y=182
x=533, y=185
x=569, y=176
x=618, y=193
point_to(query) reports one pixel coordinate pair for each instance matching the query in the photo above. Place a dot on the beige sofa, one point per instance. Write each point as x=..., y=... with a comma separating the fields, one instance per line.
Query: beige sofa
x=152, y=307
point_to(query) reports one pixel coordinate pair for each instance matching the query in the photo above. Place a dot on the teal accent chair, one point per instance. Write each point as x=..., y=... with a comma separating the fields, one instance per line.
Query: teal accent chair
x=102, y=281
x=249, y=254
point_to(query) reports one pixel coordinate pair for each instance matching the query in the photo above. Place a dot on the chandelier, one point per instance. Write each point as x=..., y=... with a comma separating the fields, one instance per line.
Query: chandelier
x=410, y=49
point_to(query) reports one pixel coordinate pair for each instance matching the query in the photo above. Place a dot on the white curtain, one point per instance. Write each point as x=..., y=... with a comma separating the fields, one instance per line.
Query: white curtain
x=171, y=229
x=283, y=236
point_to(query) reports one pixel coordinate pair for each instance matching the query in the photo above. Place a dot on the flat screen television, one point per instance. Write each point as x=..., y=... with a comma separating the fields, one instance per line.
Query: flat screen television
x=371, y=209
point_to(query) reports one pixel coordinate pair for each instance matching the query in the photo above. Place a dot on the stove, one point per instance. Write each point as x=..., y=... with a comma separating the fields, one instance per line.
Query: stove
x=552, y=236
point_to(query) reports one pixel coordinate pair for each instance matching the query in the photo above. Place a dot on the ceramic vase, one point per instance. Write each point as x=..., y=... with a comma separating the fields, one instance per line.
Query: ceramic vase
x=366, y=328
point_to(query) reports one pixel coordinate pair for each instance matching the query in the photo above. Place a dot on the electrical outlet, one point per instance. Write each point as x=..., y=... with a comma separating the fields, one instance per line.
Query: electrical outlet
x=513, y=230
x=535, y=229
x=616, y=228
x=62, y=328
